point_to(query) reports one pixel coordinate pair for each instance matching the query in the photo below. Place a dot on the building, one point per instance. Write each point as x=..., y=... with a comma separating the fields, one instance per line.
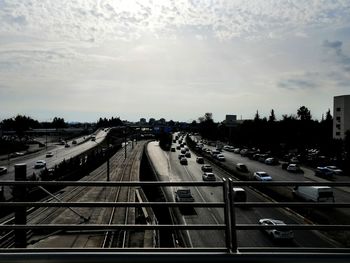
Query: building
x=341, y=116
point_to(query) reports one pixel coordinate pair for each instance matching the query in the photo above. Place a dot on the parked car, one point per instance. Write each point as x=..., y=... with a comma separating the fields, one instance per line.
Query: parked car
x=188, y=154
x=276, y=233
x=271, y=161
x=3, y=170
x=74, y=142
x=335, y=170
x=206, y=168
x=183, y=161
x=236, y=150
x=294, y=160
x=49, y=154
x=293, y=168
x=208, y=176
x=67, y=145
x=39, y=164
x=200, y=160
x=183, y=195
x=178, y=147
x=173, y=149
x=220, y=157
x=262, y=176
x=241, y=167
x=262, y=158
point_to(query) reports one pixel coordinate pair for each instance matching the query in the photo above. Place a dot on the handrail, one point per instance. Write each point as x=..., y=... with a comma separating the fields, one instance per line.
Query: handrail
x=229, y=226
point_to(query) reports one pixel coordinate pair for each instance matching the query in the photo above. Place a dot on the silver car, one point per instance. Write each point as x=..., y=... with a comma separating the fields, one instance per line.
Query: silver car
x=276, y=233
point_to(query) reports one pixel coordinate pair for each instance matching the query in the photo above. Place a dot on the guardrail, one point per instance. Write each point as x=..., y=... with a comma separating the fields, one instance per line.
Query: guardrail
x=230, y=252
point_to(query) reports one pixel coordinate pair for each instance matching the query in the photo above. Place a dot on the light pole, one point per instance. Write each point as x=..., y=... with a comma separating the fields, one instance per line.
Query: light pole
x=125, y=142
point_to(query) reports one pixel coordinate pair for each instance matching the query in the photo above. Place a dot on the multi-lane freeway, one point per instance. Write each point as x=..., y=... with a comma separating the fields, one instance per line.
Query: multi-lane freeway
x=60, y=153
x=169, y=168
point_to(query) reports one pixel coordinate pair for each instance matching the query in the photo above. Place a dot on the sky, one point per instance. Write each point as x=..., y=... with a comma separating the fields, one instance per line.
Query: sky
x=172, y=59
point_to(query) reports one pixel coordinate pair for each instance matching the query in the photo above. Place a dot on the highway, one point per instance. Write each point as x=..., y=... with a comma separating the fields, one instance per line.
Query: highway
x=169, y=168
x=342, y=194
x=60, y=153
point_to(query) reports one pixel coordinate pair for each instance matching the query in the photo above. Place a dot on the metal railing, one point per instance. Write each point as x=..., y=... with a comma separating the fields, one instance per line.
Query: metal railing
x=230, y=227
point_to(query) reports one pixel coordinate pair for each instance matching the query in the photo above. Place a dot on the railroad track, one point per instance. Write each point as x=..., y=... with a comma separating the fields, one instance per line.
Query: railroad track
x=70, y=194
x=121, y=215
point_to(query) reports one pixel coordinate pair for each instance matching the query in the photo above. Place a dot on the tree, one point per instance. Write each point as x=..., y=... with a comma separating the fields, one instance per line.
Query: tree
x=304, y=114
x=207, y=127
x=257, y=116
x=329, y=117
x=58, y=123
x=272, y=116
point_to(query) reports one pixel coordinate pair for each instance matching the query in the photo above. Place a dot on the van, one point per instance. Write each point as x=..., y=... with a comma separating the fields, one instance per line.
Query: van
x=239, y=195
x=314, y=193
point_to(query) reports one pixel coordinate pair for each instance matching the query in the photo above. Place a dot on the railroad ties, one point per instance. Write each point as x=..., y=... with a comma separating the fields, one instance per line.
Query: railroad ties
x=121, y=169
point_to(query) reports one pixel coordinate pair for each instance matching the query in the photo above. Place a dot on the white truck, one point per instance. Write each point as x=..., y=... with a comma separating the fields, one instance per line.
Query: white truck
x=314, y=193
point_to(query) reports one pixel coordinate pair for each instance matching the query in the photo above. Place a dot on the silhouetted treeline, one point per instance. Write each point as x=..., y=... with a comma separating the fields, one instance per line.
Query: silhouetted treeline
x=113, y=122
x=297, y=132
x=22, y=123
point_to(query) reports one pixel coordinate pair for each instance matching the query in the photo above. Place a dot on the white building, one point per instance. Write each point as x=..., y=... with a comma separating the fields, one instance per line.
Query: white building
x=341, y=116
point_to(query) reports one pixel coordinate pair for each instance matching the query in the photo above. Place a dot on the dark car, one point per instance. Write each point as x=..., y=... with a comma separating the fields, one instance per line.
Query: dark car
x=241, y=167
x=324, y=173
x=3, y=170
x=206, y=168
x=183, y=161
x=200, y=160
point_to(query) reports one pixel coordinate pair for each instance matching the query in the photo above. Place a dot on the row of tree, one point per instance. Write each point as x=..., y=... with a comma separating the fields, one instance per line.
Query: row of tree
x=21, y=123
x=295, y=132
x=112, y=122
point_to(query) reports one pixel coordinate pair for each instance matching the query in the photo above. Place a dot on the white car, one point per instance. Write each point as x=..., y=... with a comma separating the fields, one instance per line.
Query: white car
x=262, y=176
x=3, y=170
x=49, y=154
x=293, y=168
x=208, y=177
x=220, y=157
x=276, y=233
x=39, y=164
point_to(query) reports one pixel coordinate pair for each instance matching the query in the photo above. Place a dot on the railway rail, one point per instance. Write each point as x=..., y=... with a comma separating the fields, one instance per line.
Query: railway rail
x=47, y=215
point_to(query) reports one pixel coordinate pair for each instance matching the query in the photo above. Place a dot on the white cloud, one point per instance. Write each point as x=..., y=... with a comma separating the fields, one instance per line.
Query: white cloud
x=178, y=56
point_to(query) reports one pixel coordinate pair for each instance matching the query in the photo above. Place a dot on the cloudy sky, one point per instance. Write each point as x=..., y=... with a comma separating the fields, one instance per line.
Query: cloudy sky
x=177, y=59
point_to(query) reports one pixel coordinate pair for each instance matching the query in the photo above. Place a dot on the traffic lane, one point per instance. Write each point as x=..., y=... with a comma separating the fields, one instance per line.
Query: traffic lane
x=214, y=194
x=252, y=216
x=278, y=174
x=60, y=153
x=197, y=215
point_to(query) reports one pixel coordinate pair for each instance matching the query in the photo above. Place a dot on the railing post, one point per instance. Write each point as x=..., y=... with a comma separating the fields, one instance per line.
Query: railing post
x=227, y=215
x=231, y=195
x=19, y=195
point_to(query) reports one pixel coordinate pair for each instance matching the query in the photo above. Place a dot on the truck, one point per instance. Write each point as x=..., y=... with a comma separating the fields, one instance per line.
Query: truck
x=314, y=193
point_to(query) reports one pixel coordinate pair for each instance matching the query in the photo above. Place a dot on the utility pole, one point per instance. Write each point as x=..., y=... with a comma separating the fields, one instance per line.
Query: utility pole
x=125, y=142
